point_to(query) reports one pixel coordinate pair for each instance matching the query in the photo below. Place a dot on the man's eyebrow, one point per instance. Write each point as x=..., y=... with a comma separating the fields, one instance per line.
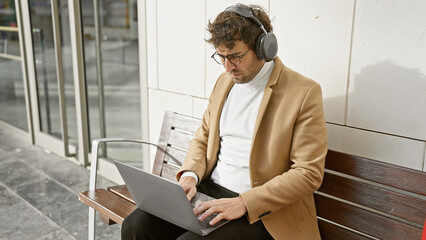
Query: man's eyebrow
x=237, y=53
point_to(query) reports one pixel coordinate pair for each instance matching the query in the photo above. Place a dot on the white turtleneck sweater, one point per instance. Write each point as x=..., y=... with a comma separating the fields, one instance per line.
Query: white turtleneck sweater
x=236, y=132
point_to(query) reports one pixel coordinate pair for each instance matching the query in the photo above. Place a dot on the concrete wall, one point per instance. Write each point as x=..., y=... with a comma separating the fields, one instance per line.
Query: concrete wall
x=368, y=56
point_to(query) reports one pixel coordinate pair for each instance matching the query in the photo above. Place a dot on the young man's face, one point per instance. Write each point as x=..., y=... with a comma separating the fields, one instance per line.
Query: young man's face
x=248, y=68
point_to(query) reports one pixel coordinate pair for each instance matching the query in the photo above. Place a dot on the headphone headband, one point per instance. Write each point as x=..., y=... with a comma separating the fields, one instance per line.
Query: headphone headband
x=245, y=12
x=266, y=45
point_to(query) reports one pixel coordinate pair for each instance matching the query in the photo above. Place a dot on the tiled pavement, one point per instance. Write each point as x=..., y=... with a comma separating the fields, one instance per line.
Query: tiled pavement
x=38, y=193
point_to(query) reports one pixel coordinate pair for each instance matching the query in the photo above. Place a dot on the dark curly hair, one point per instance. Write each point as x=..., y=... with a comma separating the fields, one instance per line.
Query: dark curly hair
x=229, y=27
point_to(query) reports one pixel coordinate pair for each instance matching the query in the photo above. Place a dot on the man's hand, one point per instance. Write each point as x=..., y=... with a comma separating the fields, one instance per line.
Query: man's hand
x=189, y=186
x=226, y=208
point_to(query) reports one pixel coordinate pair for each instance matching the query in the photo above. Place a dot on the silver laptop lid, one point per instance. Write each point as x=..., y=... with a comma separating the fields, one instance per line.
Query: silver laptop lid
x=160, y=197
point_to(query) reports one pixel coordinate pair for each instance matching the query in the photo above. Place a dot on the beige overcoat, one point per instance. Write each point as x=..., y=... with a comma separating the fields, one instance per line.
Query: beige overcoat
x=287, y=154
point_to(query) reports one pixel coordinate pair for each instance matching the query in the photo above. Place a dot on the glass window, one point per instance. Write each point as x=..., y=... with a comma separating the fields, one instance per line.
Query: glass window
x=12, y=93
x=119, y=73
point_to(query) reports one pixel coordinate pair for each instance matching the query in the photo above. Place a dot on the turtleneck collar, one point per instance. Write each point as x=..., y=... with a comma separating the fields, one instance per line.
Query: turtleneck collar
x=262, y=76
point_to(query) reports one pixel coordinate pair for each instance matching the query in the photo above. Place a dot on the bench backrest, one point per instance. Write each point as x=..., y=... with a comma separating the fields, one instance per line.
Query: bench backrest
x=176, y=133
x=359, y=198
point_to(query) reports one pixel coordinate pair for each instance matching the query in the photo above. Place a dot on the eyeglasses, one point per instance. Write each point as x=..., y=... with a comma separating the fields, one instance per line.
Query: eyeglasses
x=233, y=58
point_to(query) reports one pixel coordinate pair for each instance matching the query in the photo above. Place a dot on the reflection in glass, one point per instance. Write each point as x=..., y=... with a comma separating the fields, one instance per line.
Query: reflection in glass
x=12, y=94
x=46, y=72
x=119, y=72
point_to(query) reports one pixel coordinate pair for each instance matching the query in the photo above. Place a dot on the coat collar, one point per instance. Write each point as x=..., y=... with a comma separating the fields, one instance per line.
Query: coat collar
x=228, y=83
x=278, y=68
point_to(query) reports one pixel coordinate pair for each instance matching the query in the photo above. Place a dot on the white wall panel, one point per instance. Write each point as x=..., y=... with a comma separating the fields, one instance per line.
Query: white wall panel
x=390, y=149
x=314, y=39
x=213, y=8
x=199, y=105
x=160, y=101
x=181, y=46
x=387, y=81
x=151, y=28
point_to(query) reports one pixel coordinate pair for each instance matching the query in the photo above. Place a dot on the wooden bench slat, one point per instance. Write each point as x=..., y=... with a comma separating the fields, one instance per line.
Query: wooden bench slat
x=393, y=203
x=122, y=191
x=364, y=221
x=162, y=143
x=169, y=172
x=185, y=123
x=106, y=219
x=179, y=139
x=384, y=173
x=175, y=156
x=332, y=232
x=107, y=204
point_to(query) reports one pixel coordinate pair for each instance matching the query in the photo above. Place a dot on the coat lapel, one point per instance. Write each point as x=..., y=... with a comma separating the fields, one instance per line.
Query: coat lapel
x=222, y=91
x=217, y=110
x=273, y=79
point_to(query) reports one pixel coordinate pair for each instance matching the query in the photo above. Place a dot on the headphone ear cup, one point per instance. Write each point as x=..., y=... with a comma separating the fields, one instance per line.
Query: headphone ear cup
x=268, y=46
x=258, y=46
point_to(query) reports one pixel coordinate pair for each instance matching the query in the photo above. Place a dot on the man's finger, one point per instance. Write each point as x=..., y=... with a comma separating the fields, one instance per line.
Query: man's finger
x=202, y=207
x=191, y=193
x=198, y=209
x=206, y=214
x=217, y=219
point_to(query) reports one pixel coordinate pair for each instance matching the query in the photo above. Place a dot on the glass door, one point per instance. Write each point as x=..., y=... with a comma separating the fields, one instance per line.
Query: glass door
x=112, y=74
x=83, y=67
x=13, y=108
x=50, y=75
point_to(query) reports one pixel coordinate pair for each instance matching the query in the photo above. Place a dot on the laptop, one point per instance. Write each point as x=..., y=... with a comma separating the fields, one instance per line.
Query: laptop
x=166, y=199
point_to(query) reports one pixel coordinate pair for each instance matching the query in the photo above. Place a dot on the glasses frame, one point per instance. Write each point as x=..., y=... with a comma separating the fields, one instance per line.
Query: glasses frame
x=227, y=57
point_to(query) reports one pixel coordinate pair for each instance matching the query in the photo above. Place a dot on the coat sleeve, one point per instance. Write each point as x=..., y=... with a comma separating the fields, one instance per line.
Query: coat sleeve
x=307, y=155
x=196, y=158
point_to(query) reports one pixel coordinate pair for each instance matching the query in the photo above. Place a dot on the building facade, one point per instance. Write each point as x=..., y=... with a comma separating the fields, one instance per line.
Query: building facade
x=73, y=71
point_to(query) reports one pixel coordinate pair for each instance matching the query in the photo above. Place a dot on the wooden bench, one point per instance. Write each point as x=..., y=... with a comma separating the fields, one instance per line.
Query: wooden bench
x=359, y=198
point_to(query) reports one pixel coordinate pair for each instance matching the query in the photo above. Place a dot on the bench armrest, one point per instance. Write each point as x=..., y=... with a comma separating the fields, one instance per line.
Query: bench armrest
x=94, y=169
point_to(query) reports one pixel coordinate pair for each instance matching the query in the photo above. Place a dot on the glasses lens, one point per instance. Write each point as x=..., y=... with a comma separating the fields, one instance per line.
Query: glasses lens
x=221, y=59
x=234, y=59
x=218, y=58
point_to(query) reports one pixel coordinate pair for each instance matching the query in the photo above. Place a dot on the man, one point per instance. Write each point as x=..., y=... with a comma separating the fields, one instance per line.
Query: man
x=261, y=147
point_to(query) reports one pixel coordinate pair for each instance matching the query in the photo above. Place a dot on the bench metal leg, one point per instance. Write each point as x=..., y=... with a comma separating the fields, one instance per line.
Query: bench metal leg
x=92, y=219
x=92, y=186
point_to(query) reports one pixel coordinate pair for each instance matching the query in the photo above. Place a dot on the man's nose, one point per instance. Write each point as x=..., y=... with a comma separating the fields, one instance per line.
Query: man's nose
x=228, y=65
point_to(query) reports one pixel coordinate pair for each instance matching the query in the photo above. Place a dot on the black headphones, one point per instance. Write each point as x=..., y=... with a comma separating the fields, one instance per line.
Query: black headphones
x=266, y=45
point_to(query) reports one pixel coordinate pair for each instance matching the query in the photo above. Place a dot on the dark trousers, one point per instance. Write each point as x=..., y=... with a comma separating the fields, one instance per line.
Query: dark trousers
x=142, y=225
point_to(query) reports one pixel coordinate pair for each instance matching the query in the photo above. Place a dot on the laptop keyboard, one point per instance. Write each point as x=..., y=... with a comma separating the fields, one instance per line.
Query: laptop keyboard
x=205, y=223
